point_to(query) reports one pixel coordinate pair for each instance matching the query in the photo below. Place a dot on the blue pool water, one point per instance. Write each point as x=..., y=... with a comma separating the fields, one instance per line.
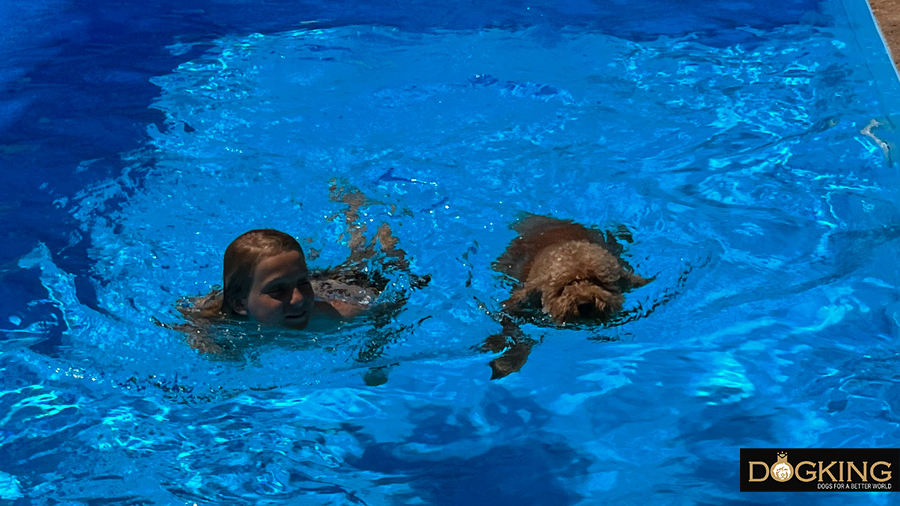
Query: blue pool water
x=732, y=142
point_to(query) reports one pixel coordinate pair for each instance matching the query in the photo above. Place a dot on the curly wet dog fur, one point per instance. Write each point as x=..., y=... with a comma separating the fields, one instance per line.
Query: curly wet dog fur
x=570, y=272
x=565, y=270
x=576, y=280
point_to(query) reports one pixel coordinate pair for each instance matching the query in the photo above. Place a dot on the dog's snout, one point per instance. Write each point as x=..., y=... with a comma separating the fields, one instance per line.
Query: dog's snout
x=585, y=309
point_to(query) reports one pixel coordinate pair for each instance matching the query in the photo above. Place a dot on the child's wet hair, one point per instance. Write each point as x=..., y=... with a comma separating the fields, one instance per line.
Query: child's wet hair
x=243, y=255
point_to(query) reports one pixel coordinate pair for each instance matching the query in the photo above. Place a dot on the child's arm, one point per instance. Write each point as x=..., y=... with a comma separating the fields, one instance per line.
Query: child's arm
x=341, y=301
x=197, y=336
x=338, y=309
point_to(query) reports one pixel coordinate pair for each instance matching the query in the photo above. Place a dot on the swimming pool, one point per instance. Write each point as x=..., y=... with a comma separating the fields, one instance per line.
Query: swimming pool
x=730, y=143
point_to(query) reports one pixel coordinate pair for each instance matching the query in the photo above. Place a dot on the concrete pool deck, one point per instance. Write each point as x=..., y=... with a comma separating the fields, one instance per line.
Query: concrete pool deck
x=887, y=13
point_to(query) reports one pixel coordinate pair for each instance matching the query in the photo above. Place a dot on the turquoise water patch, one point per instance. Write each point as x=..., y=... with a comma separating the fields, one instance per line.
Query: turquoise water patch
x=9, y=487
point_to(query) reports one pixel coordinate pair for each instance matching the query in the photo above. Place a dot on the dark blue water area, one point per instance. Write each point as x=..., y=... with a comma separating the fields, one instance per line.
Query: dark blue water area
x=140, y=137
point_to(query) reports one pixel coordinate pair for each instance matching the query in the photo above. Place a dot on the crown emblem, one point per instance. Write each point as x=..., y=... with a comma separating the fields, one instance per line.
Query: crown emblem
x=782, y=470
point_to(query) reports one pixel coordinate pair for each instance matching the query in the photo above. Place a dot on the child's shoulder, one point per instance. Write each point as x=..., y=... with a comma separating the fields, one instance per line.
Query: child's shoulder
x=332, y=289
x=347, y=300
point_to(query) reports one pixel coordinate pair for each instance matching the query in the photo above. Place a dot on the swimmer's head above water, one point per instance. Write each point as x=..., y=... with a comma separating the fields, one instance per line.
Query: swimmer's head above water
x=265, y=278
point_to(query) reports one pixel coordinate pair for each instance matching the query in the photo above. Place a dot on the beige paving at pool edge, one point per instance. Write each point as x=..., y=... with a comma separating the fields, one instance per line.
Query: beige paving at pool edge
x=887, y=12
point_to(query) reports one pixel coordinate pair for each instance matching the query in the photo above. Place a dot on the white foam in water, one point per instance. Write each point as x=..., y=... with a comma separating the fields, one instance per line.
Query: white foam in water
x=10, y=489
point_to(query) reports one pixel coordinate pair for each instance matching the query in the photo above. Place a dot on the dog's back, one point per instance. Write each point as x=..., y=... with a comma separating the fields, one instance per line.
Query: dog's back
x=539, y=232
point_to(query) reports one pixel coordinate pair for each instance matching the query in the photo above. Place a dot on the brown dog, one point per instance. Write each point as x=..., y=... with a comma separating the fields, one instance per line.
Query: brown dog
x=569, y=271
x=565, y=270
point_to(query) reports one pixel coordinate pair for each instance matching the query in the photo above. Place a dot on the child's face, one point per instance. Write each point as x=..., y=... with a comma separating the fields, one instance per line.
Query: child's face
x=281, y=294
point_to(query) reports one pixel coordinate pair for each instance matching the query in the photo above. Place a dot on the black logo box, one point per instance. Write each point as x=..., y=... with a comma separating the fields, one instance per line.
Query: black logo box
x=822, y=469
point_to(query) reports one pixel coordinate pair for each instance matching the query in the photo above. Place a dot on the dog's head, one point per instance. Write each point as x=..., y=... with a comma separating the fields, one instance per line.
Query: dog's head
x=582, y=299
x=580, y=281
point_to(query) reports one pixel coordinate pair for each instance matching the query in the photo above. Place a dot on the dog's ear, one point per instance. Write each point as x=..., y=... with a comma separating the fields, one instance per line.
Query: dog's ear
x=521, y=303
x=519, y=298
x=609, y=302
x=630, y=281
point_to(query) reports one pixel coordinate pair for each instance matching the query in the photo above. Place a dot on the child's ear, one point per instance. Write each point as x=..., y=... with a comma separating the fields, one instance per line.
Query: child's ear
x=240, y=307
